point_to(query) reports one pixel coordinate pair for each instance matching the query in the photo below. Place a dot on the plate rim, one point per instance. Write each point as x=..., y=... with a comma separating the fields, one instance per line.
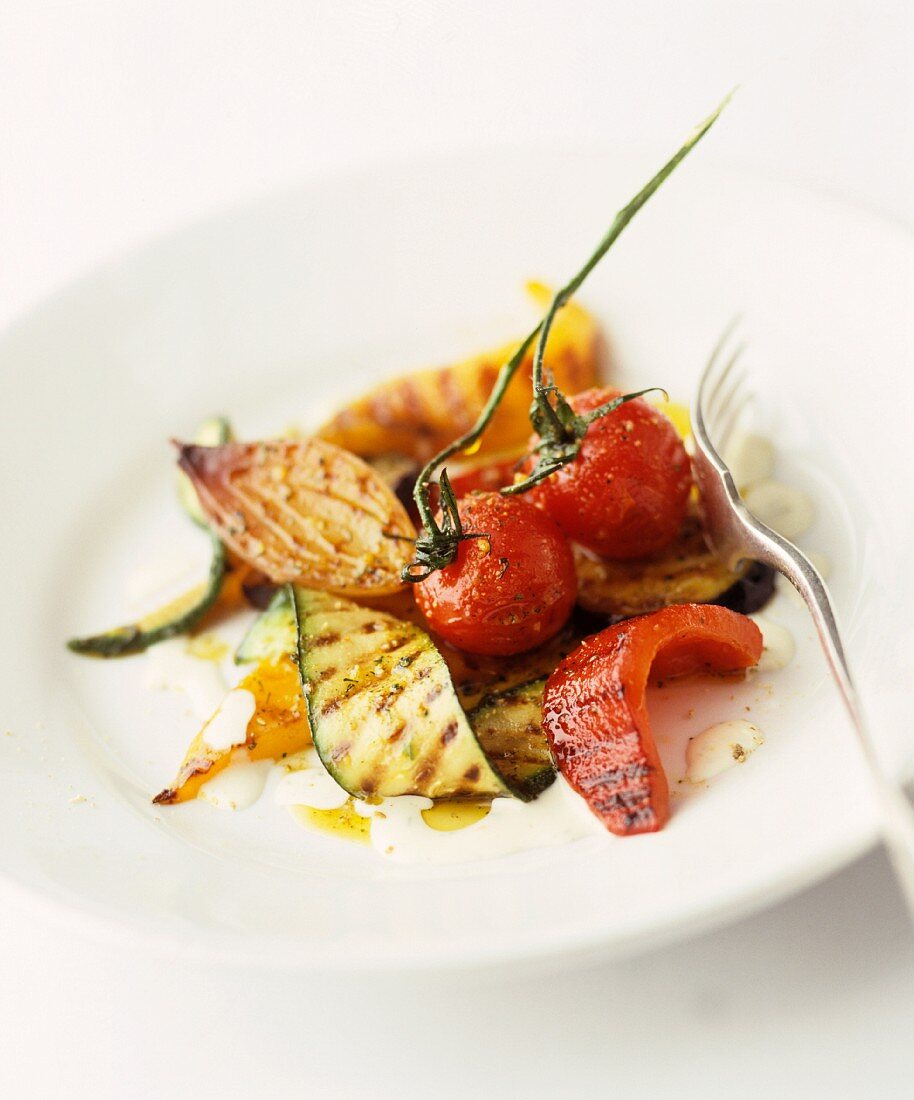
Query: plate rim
x=64, y=908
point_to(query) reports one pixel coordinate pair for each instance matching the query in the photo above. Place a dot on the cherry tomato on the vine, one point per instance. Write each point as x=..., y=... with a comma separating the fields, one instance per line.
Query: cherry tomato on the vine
x=485, y=476
x=625, y=494
x=508, y=591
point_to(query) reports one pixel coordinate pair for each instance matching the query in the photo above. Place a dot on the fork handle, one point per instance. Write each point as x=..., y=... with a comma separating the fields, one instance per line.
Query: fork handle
x=897, y=812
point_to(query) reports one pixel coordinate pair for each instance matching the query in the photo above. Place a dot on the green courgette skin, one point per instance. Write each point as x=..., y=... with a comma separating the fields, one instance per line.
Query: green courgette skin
x=384, y=715
x=211, y=433
x=135, y=637
x=187, y=611
x=509, y=726
x=272, y=634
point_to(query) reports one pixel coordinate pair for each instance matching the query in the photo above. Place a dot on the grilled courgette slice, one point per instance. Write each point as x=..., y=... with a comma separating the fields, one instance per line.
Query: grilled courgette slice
x=184, y=613
x=272, y=634
x=176, y=617
x=686, y=572
x=384, y=715
x=509, y=726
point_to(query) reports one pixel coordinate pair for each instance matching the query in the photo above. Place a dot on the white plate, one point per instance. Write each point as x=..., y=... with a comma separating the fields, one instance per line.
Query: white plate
x=275, y=312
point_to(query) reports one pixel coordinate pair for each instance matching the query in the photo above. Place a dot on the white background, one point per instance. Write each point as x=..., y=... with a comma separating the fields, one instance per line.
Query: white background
x=120, y=119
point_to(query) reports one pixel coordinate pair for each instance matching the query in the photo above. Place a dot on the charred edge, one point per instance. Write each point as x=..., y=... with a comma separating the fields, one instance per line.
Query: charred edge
x=206, y=462
x=617, y=776
x=449, y=733
x=339, y=751
x=433, y=694
x=428, y=766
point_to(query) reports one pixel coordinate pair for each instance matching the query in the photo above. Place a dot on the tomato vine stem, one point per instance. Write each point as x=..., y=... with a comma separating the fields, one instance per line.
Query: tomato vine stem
x=560, y=429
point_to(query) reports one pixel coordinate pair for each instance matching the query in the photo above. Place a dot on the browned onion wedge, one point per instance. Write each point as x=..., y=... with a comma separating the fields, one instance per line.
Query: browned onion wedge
x=305, y=511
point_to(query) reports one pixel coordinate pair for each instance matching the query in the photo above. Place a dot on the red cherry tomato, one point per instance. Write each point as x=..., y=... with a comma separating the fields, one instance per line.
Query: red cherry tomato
x=625, y=494
x=507, y=592
x=594, y=712
x=486, y=476
x=489, y=475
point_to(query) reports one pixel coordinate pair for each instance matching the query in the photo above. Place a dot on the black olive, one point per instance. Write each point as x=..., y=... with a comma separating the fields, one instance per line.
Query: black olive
x=751, y=592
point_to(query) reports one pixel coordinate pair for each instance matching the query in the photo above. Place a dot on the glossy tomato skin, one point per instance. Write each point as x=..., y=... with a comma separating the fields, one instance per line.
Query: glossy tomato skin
x=507, y=592
x=483, y=477
x=625, y=495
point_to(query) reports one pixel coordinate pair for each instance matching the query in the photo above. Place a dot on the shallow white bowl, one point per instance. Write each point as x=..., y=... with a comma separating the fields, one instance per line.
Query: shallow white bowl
x=277, y=311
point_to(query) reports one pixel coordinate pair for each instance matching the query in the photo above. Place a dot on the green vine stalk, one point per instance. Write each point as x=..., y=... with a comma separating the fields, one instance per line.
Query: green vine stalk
x=560, y=429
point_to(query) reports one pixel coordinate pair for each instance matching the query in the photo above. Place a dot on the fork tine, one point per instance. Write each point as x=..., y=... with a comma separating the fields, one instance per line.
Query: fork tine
x=724, y=389
x=736, y=535
x=738, y=401
x=713, y=374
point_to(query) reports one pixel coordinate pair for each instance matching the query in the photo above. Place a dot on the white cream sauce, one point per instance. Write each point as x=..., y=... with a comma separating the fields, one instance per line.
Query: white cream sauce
x=170, y=667
x=306, y=782
x=779, y=646
x=783, y=508
x=720, y=747
x=229, y=725
x=157, y=583
x=750, y=458
x=239, y=785
x=400, y=834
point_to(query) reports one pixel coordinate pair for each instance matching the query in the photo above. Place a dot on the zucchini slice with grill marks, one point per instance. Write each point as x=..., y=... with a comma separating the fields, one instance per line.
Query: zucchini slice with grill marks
x=509, y=726
x=272, y=634
x=176, y=617
x=384, y=715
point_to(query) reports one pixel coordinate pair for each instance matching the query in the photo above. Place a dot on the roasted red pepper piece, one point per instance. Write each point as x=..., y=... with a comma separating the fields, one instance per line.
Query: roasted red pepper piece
x=594, y=711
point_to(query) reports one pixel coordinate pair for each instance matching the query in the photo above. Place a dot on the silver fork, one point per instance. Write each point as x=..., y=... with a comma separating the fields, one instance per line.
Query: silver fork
x=736, y=535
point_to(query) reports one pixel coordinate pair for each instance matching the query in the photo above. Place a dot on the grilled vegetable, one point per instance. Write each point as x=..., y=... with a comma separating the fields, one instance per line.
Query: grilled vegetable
x=476, y=676
x=211, y=433
x=508, y=589
x=686, y=572
x=594, y=711
x=385, y=718
x=176, y=617
x=420, y=413
x=625, y=493
x=509, y=726
x=277, y=728
x=272, y=634
x=303, y=510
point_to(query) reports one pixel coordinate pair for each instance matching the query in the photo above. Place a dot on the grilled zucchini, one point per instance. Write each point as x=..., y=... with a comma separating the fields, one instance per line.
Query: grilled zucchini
x=687, y=572
x=182, y=614
x=509, y=726
x=176, y=617
x=272, y=634
x=384, y=715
